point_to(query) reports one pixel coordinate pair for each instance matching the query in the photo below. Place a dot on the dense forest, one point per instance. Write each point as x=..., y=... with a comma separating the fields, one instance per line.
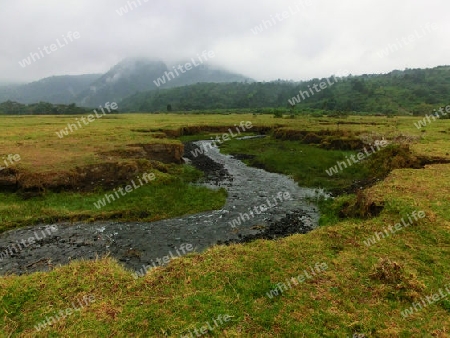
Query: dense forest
x=413, y=91
x=41, y=108
x=416, y=91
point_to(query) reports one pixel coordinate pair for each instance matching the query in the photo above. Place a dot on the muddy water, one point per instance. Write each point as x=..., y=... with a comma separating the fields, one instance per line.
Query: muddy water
x=273, y=205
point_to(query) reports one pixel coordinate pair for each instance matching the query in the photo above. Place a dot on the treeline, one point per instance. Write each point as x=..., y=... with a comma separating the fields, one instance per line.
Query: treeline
x=413, y=91
x=41, y=108
x=416, y=91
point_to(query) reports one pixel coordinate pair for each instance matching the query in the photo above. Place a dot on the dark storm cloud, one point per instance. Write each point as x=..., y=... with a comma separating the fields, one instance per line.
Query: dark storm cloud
x=296, y=39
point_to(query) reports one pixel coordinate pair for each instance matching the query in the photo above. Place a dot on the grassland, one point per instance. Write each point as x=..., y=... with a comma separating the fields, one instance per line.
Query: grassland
x=45, y=156
x=307, y=164
x=363, y=291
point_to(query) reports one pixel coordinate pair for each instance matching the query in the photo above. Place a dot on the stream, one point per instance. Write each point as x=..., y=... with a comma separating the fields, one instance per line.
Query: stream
x=259, y=205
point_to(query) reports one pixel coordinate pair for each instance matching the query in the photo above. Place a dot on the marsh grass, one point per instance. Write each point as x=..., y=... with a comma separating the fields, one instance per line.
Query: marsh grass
x=169, y=195
x=306, y=164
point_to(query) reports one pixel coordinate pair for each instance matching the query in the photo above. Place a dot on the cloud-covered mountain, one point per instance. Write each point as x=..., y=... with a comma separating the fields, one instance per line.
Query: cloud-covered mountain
x=127, y=78
x=135, y=75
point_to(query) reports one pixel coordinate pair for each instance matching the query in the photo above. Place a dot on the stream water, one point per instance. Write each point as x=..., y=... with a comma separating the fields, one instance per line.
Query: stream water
x=259, y=205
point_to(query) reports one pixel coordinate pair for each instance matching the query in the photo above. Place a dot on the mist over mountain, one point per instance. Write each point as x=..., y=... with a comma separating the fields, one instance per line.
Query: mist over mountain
x=125, y=78
x=56, y=89
x=130, y=76
x=135, y=75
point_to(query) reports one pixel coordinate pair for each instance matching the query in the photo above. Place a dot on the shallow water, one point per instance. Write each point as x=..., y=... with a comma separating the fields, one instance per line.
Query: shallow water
x=257, y=193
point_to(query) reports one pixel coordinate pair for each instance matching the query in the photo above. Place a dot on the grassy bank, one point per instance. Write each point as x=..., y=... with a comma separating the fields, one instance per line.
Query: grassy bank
x=169, y=195
x=307, y=164
x=364, y=290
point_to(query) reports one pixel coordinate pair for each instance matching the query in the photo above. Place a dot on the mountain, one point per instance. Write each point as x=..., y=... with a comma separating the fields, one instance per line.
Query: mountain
x=200, y=73
x=135, y=75
x=55, y=89
x=409, y=91
x=128, y=77
x=142, y=84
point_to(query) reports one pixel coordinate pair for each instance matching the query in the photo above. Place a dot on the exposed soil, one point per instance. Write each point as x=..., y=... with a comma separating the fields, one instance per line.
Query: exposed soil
x=138, y=244
x=327, y=139
x=195, y=130
x=119, y=167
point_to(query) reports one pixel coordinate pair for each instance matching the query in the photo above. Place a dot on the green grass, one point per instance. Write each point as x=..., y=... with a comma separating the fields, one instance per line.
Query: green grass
x=169, y=195
x=307, y=164
x=348, y=298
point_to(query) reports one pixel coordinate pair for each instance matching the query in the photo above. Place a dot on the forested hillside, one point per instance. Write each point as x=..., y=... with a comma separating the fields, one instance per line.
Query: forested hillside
x=56, y=89
x=411, y=91
x=41, y=108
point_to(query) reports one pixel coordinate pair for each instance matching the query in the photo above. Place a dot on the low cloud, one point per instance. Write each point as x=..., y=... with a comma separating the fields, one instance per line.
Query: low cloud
x=322, y=37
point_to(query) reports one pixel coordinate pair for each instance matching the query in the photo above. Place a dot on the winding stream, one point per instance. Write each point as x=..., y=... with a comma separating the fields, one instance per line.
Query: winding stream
x=256, y=198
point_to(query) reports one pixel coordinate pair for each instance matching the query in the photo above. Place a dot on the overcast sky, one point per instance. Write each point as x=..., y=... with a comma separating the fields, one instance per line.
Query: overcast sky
x=313, y=38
